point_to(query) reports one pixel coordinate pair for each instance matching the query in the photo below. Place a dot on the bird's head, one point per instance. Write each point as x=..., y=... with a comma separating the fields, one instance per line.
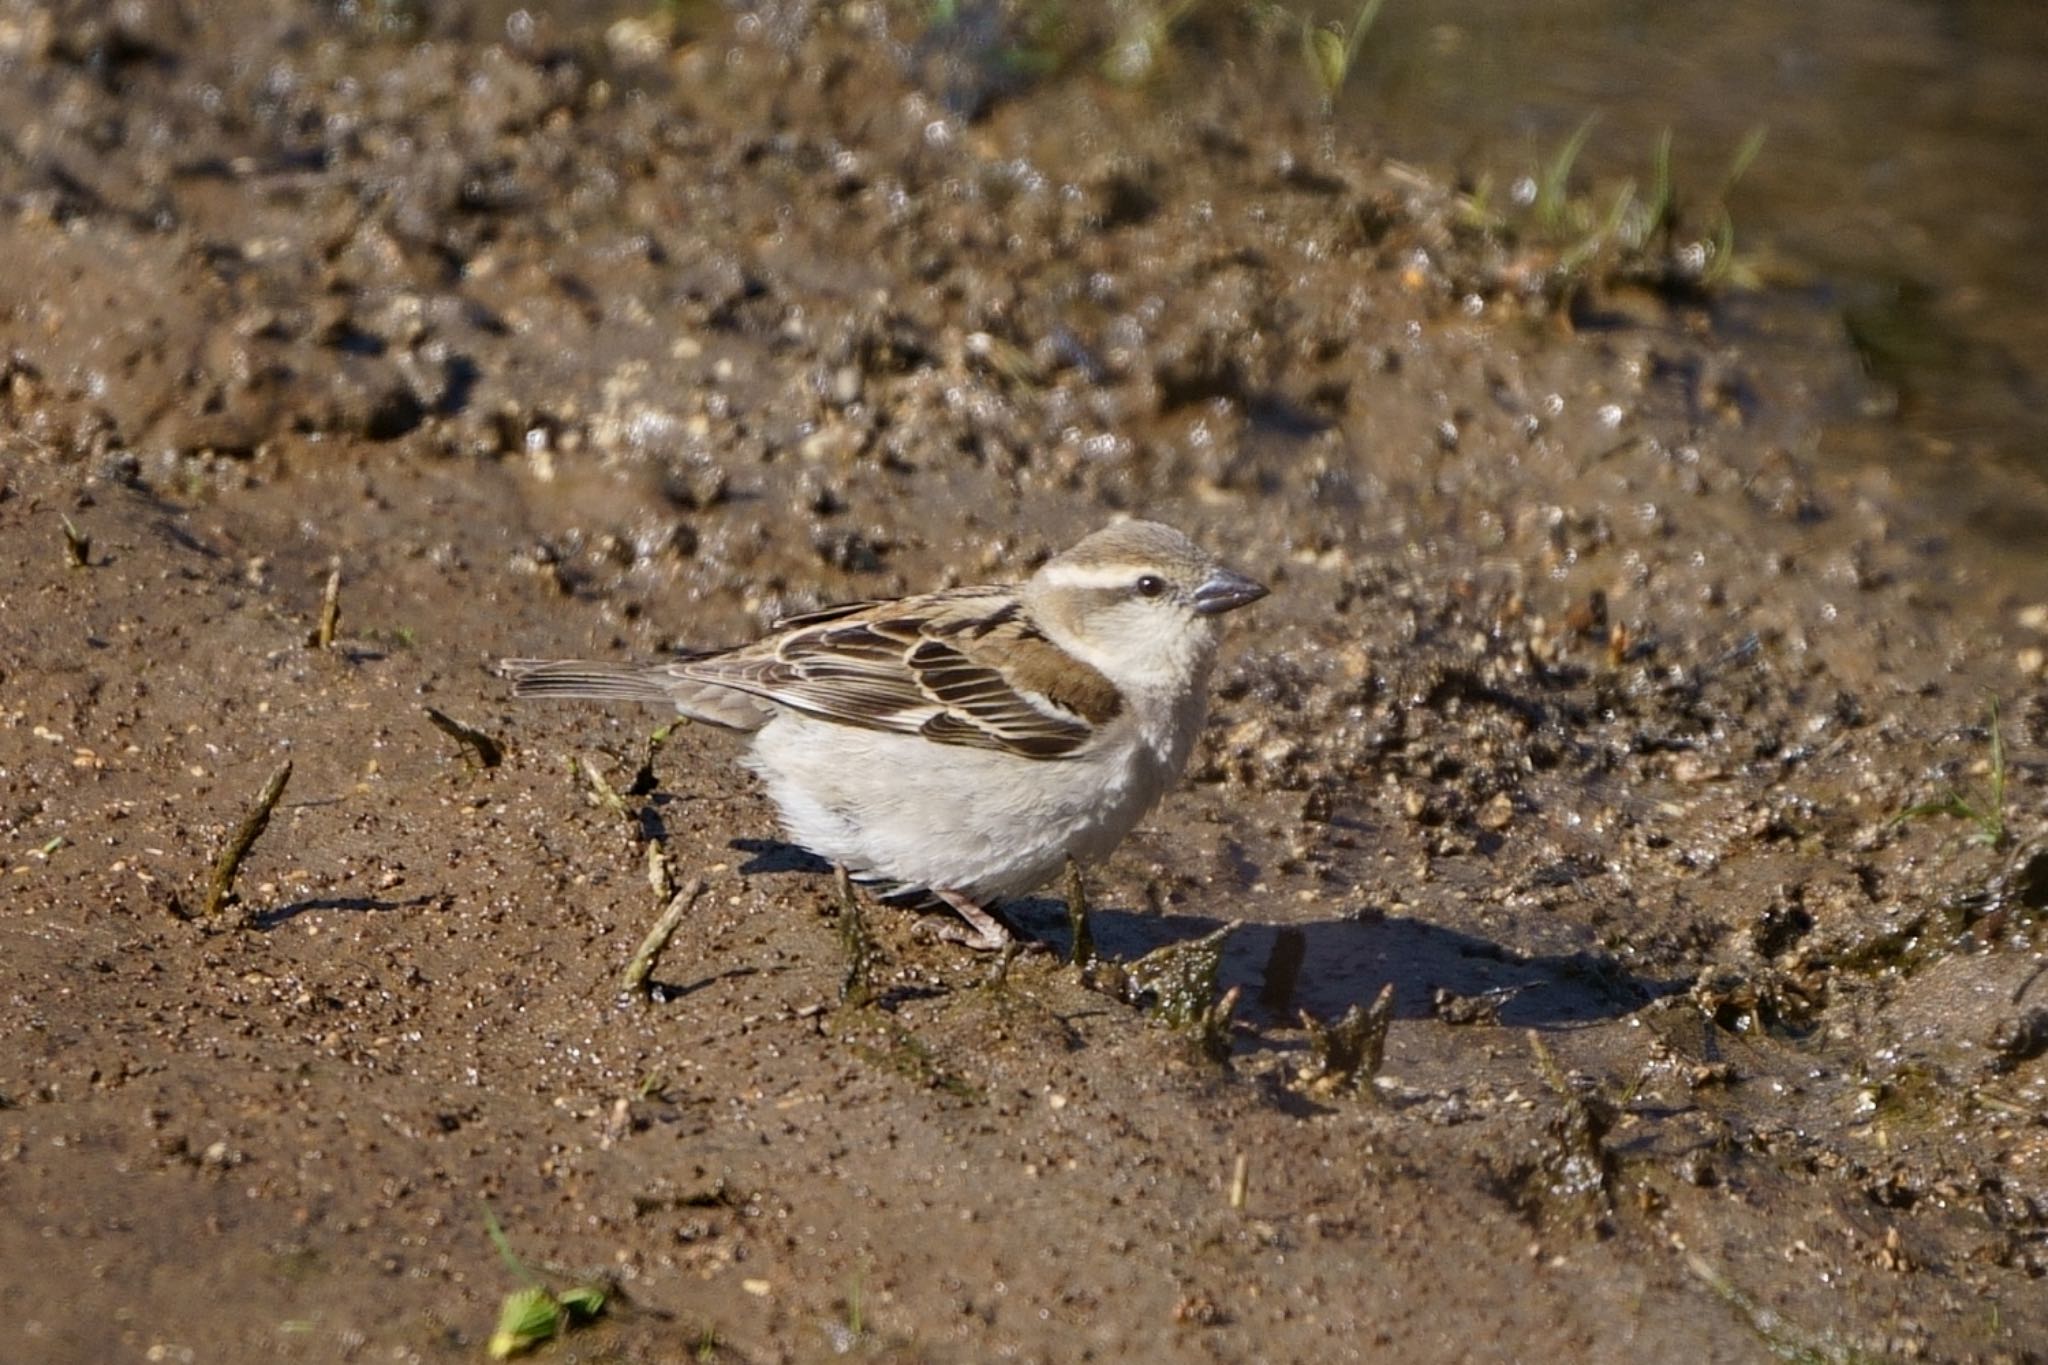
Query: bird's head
x=1141, y=603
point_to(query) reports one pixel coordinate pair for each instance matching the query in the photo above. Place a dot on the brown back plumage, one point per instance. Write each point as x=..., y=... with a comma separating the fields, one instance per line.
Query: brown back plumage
x=926, y=665
x=920, y=665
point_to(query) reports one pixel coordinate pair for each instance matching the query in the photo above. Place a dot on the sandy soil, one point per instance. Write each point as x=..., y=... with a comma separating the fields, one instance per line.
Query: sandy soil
x=1581, y=712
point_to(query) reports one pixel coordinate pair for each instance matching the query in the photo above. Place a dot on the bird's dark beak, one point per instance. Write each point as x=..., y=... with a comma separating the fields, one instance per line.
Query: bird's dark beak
x=1226, y=590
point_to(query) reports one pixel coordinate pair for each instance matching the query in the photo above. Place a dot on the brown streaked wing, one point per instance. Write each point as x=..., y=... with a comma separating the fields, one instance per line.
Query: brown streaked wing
x=981, y=707
x=911, y=666
x=819, y=616
x=948, y=728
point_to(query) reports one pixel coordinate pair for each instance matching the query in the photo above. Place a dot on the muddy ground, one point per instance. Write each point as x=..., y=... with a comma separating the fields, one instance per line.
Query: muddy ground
x=1582, y=711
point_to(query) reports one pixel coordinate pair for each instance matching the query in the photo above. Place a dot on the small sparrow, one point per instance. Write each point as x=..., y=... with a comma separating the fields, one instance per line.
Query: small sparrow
x=965, y=743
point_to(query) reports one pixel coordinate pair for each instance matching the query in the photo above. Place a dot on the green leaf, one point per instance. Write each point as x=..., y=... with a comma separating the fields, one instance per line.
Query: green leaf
x=1327, y=60
x=582, y=1303
x=527, y=1318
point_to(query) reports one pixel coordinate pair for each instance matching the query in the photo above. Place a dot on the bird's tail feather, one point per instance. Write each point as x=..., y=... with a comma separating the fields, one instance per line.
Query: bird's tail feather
x=711, y=702
x=580, y=678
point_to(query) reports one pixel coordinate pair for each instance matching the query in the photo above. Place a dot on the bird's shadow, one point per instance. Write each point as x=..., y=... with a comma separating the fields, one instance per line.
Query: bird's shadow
x=772, y=855
x=284, y=914
x=1342, y=961
x=669, y=992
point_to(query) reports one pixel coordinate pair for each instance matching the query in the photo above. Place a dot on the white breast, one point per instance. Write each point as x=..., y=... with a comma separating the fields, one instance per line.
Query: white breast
x=979, y=822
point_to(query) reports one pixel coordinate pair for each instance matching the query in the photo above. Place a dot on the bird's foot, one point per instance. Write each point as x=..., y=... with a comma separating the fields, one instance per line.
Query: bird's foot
x=967, y=936
x=978, y=929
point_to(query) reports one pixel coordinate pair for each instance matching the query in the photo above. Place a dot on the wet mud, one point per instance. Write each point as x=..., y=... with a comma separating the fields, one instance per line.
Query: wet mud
x=1583, y=714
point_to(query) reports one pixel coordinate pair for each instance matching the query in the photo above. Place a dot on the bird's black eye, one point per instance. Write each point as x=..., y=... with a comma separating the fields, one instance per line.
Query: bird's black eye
x=1151, y=585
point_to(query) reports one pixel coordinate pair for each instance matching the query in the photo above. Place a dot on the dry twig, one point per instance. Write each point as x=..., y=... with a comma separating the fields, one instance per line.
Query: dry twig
x=642, y=966
x=221, y=886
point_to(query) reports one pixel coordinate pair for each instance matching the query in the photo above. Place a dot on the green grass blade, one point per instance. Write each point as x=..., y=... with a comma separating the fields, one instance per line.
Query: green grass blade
x=1994, y=821
x=1551, y=190
x=505, y=1252
x=1360, y=22
x=1746, y=154
x=1659, y=204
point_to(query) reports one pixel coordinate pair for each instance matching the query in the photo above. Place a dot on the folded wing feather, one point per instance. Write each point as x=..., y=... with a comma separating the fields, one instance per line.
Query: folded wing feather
x=963, y=667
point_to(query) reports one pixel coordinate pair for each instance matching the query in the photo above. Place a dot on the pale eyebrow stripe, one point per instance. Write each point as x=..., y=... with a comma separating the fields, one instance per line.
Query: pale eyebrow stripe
x=1093, y=575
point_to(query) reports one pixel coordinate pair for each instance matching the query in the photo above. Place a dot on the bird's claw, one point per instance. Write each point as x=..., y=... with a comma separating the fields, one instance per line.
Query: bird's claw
x=966, y=935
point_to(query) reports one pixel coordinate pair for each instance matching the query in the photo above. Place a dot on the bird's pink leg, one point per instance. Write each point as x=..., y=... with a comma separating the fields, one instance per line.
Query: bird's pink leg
x=982, y=931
